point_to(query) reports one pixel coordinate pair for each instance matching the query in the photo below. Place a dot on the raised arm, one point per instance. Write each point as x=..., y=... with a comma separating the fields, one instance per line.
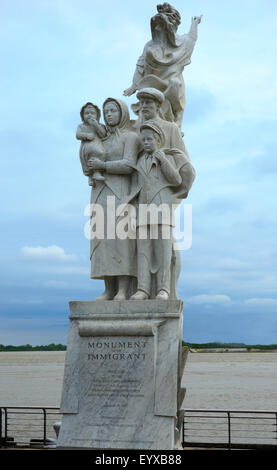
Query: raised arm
x=193, y=32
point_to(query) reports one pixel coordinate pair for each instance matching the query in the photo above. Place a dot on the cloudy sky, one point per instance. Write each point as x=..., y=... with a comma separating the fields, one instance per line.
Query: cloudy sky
x=57, y=55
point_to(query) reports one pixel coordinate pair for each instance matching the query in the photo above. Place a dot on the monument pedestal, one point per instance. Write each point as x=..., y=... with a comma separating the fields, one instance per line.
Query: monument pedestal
x=123, y=371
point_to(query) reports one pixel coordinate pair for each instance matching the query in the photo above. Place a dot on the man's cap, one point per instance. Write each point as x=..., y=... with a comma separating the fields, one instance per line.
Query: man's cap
x=151, y=93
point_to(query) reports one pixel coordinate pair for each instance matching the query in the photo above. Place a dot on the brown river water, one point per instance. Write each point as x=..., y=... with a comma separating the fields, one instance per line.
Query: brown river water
x=213, y=380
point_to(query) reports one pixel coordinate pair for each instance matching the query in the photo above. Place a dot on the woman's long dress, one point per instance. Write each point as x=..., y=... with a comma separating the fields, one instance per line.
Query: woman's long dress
x=115, y=257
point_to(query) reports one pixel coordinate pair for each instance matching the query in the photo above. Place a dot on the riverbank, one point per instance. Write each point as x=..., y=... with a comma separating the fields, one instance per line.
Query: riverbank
x=193, y=347
x=232, y=350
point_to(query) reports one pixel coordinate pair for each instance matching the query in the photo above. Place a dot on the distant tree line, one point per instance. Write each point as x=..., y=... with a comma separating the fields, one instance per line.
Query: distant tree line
x=29, y=347
x=216, y=345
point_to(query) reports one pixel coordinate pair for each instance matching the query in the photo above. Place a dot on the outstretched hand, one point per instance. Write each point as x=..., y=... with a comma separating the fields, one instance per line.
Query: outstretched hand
x=130, y=91
x=197, y=19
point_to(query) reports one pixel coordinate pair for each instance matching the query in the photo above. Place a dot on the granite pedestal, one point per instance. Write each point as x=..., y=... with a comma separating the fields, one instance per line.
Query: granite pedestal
x=123, y=370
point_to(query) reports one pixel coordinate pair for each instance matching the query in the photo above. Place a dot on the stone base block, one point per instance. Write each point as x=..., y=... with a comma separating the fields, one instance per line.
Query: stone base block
x=122, y=377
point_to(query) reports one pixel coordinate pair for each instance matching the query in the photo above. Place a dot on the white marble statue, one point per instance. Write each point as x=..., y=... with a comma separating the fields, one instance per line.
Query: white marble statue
x=124, y=360
x=142, y=162
x=163, y=176
x=163, y=60
x=90, y=132
x=114, y=259
x=150, y=103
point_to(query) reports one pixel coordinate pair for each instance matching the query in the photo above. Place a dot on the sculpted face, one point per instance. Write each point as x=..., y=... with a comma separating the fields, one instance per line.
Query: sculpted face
x=90, y=113
x=112, y=113
x=150, y=141
x=148, y=107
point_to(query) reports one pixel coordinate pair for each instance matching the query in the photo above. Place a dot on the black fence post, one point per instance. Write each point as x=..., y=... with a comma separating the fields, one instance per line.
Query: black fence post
x=6, y=426
x=183, y=430
x=44, y=425
x=229, y=430
x=0, y=427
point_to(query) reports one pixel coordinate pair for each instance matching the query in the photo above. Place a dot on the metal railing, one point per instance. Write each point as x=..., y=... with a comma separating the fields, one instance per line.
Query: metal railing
x=232, y=429
x=28, y=426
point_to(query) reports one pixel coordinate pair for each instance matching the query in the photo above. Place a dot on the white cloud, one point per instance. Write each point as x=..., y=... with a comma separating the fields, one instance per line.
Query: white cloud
x=265, y=303
x=217, y=299
x=49, y=253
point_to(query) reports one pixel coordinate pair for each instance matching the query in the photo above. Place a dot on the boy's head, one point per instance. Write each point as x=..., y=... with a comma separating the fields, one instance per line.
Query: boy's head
x=90, y=111
x=152, y=137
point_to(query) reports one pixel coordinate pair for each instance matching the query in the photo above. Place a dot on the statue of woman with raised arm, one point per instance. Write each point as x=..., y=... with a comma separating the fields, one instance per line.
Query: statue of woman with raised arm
x=163, y=60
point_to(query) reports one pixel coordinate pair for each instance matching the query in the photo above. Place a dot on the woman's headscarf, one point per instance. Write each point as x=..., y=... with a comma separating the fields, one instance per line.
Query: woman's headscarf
x=124, y=122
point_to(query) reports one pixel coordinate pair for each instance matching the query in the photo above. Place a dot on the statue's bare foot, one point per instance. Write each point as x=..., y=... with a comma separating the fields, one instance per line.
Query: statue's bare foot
x=120, y=296
x=140, y=295
x=162, y=295
x=104, y=296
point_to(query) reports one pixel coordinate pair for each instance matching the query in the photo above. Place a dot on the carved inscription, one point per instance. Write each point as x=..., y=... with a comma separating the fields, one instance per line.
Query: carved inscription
x=124, y=347
x=115, y=375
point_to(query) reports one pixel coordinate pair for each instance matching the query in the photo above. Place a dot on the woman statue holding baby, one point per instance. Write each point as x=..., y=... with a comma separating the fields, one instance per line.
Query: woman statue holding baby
x=113, y=258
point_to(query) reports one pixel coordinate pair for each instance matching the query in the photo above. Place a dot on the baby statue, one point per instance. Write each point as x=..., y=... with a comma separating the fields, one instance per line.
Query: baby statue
x=90, y=132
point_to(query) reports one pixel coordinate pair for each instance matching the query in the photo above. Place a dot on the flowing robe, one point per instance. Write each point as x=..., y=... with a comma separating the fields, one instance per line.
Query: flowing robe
x=114, y=256
x=162, y=67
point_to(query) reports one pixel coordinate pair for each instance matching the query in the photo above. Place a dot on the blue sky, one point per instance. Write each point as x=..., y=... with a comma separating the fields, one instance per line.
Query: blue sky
x=57, y=55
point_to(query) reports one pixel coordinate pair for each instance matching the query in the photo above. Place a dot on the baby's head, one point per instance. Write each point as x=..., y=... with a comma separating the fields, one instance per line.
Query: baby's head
x=90, y=111
x=152, y=136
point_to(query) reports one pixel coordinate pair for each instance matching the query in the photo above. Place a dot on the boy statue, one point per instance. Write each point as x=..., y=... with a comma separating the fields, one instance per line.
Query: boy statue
x=163, y=177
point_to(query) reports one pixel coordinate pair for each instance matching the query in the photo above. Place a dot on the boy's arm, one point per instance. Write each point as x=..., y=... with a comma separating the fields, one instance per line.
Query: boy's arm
x=172, y=175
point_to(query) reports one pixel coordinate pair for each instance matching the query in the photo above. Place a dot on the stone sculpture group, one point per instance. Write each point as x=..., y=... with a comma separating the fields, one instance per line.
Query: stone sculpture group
x=141, y=162
x=124, y=361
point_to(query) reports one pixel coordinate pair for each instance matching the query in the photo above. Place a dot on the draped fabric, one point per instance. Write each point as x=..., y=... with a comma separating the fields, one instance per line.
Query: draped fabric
x=162, y=67
x=115, y=257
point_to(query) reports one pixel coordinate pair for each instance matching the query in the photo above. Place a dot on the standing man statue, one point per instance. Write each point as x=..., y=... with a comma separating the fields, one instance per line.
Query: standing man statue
x=163, y=60
x=150, y=103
